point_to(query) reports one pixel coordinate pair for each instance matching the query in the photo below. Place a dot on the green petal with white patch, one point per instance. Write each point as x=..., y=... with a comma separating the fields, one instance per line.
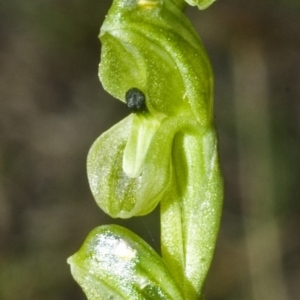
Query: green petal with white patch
x=114, y=263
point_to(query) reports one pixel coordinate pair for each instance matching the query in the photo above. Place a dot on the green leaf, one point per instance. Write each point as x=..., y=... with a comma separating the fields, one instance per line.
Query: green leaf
x=114, y=263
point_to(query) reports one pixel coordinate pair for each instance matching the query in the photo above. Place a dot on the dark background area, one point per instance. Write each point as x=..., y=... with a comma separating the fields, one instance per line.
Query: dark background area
x=52, y=108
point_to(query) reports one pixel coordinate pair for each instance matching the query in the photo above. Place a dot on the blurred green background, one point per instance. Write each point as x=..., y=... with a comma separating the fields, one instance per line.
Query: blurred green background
x=52, y=108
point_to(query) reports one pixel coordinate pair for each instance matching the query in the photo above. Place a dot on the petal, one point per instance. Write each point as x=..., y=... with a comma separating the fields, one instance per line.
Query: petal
x=120, y=194
x=114, y=263
x=143, y=128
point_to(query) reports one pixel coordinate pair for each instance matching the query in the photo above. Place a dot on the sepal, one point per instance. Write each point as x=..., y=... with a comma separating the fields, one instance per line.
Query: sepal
x=156, y=49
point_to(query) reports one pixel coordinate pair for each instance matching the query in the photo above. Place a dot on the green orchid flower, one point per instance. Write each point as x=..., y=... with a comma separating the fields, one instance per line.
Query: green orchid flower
x=164, y=152
x=140, y=49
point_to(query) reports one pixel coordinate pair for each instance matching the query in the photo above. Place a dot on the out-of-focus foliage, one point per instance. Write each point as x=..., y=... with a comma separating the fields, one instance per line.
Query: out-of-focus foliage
x=52, y=108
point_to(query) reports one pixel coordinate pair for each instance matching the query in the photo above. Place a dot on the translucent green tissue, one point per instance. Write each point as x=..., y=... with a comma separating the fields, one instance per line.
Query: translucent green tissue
x=114, y=264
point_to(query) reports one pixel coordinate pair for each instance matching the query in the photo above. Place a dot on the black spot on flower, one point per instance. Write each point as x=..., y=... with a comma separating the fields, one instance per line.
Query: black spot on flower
x=135, y=100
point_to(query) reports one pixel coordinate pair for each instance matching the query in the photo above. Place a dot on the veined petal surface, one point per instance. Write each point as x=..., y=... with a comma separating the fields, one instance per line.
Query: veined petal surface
x=156, y=49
